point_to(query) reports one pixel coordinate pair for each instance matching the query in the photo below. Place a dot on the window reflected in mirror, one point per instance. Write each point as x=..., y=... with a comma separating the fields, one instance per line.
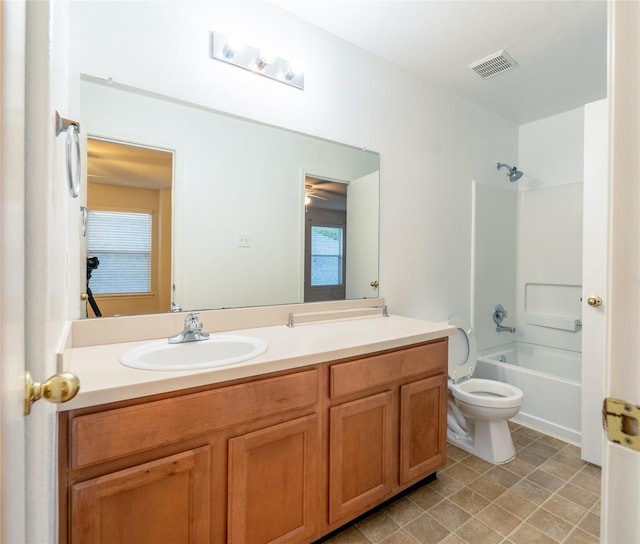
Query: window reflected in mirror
x=129, y=229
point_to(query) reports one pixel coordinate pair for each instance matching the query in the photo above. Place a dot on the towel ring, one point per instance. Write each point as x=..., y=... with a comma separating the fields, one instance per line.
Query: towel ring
x=73, y=174
x=73, y=144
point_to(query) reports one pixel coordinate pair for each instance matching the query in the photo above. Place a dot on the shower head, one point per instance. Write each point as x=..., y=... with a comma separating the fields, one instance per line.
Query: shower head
x=514, y=173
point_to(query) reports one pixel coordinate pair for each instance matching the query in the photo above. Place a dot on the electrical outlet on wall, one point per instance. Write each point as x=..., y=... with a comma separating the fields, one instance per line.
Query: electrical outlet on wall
x=243, y=239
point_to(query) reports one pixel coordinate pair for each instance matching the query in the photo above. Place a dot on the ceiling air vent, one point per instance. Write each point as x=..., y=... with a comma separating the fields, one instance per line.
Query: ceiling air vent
x=494, y=64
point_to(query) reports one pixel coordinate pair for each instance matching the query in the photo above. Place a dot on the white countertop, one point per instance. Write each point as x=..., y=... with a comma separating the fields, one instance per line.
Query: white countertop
x=103, y=379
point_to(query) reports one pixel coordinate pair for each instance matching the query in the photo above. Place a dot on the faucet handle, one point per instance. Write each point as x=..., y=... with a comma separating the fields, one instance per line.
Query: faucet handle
x=191, y=321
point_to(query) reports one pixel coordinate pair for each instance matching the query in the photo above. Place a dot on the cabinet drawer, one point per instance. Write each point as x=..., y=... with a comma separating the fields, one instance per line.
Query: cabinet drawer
x=363, y=374
x=114, y=433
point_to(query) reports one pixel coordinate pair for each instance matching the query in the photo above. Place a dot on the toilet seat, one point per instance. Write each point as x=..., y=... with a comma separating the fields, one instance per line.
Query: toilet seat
x=462, y=363
x=487, y=393
x=462, y=351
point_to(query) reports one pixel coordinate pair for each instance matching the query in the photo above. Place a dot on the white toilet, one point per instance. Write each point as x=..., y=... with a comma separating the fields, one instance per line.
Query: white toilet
x=478, y=408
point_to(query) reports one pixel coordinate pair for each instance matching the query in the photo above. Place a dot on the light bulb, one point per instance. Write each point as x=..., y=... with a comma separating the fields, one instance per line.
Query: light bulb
x=265, y=57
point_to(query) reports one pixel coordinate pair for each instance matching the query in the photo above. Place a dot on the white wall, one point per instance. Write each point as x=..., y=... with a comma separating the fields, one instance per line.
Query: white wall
x=549, y=261
x=431, y=144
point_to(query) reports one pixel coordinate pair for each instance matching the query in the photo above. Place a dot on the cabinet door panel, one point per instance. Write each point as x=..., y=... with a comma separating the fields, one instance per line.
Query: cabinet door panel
x=162, y=501
x=423, y=427
x=361, y=442
x=273, y=484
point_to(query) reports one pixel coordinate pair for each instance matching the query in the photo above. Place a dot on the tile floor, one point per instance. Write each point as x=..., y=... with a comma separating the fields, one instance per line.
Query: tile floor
x=547, y=494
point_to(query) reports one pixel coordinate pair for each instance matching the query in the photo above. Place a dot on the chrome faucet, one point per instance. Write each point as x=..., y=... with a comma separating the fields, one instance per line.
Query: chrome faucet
x=499, y=313
x=192, y=331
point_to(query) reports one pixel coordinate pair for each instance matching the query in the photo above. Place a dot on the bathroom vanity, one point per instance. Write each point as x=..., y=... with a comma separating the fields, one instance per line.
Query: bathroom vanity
x=301, y=441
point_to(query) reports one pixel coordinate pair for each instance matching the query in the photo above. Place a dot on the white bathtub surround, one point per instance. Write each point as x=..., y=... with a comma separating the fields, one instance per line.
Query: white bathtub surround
x=528, y=250
x=549, y=379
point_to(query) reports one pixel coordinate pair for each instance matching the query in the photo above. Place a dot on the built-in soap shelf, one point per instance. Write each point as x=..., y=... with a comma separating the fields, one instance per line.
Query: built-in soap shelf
x=296, y=318
x=553, y=305
x=561, y=322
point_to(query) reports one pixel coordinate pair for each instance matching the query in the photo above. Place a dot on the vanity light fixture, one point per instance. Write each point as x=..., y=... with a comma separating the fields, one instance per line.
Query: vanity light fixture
x=233, y=50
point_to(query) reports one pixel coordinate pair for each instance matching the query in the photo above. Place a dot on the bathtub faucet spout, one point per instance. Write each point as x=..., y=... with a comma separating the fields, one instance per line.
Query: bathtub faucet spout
x=499, y=313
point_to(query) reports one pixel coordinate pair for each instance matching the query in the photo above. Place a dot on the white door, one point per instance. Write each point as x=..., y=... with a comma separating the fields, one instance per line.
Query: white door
x=621, y=474
x=12, y=348
x=594, y=274
x=362, y=236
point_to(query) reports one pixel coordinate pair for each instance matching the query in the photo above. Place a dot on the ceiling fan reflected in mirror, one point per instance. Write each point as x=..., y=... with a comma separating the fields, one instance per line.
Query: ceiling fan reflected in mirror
x=325, y=193
x=311, y=193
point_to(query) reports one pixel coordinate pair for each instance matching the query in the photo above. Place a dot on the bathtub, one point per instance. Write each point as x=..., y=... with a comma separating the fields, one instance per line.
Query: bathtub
x=549, y=379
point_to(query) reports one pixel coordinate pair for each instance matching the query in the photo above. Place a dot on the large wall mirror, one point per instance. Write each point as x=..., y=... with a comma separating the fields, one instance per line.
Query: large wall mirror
x=208, y=210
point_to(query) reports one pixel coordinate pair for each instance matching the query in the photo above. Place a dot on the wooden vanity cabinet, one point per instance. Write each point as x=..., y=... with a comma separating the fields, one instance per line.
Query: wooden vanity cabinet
x=233, y=463
x=387, y=426
x=284, y=458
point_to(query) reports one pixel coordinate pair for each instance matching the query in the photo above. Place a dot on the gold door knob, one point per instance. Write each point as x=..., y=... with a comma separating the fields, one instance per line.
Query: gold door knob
x=374, y=284
x=58, y=388
x=594, y=301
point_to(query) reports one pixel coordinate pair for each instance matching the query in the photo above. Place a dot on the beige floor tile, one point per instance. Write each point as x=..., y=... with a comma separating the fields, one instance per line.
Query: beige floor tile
x=425, y=497
x=519, y=466
x=531, y=491
x=516, y=504
x=578, y=536
x=556, y=443
x=578, y=495
x=570, y=456
x=498, y=519
x=456, y=453
x=445, y=484
x=545, y=480
x=526, y=431
x=531, y=457
x=449, y=515
x=426, y=530
x=527, y=534
x=591, y=524
x=461, y=473
x=377, y=526
x=542, y=449
x=550, y=525
x=586, y=482
x=592, y=470
x=476, y=532
x=565, y=509
x=558, y=469
x=477, y=464
x=520, y=441
x=504, y=477
x=451, y=539
x=487, y=487
x=470, y=501
x=403, y=511
x=399, y=537
x=350, y=535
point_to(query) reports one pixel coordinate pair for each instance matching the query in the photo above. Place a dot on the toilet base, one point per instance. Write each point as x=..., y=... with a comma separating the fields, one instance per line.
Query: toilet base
x=489, y=440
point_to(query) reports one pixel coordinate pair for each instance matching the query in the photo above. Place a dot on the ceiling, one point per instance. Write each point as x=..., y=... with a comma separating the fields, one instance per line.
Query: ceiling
x=560, y=46
x=113, y=163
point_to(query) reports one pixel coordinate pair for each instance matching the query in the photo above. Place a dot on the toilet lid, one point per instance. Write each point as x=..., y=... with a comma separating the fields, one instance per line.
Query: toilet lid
x=462, y=350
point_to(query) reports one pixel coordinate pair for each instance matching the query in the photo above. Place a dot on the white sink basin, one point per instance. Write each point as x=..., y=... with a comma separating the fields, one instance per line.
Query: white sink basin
x=218, y=350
